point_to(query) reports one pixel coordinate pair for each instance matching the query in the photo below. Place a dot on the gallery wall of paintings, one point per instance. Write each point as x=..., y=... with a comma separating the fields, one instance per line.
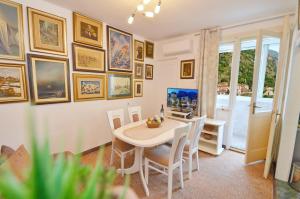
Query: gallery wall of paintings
x=102, y=68
x=52, y=73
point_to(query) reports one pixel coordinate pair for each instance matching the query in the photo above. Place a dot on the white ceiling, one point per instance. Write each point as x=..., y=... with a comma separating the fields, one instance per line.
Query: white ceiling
x=178, y=17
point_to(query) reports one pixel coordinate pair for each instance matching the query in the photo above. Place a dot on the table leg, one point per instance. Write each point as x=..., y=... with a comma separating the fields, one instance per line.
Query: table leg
x=142, y=174
x=136, y=164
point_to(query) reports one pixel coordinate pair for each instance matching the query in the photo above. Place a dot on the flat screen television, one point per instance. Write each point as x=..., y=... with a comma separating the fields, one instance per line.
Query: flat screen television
x=182, y=99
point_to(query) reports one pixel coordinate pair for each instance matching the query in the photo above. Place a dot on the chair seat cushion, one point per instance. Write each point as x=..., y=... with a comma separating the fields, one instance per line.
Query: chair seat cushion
x=159, y=154
x=6, y=151
x=122, y=146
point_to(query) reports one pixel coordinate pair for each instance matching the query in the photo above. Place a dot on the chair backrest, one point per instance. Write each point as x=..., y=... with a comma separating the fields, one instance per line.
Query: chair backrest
x=194, y=137
x=116, y=118
x=135, y=113
x=178, y=144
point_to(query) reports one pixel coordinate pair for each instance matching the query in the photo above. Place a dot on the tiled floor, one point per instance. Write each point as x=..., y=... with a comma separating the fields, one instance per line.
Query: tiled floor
x=284, y=191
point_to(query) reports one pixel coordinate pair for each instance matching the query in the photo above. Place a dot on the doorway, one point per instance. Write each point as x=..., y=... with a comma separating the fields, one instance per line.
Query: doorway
x=237, y=81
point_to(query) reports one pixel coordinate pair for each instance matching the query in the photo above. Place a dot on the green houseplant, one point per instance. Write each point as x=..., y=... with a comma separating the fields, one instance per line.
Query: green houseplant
x=59, y=178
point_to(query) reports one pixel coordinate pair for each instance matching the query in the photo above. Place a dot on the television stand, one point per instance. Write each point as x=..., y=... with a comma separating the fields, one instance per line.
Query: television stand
x=177, y=114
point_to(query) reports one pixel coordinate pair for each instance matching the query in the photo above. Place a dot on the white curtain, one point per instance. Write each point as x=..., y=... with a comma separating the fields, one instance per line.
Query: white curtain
x=208, y=74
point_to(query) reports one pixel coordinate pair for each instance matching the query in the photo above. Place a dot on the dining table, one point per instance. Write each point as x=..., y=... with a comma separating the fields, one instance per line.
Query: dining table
x=140, y=136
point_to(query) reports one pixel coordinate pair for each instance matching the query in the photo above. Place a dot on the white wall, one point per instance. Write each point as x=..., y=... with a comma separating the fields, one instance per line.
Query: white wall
x=291, y=115
x=167, y=70
x=67, y=120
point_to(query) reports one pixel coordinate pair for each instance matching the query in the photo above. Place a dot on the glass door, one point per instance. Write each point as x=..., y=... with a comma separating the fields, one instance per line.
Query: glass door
x=261, y=106
x=240, y=115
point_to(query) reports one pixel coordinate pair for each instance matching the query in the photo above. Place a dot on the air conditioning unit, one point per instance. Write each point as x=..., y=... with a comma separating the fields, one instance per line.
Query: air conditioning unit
x=178, y=47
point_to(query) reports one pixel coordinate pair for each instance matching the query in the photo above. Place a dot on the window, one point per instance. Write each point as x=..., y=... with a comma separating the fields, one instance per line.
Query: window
x=246, y=68
x=224, y=74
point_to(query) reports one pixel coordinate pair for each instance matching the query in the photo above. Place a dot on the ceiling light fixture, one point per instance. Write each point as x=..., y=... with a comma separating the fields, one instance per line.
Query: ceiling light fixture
x=157, y=8
x=149, y=14
x=146, y=2
x=131, y=19
x=141, y=7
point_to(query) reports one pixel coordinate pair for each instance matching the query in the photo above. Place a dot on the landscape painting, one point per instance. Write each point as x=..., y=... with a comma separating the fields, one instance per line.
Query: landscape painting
x=88, y=87
x=13, y=86
x=88, y=59
x=11, y=40
x=87, y=30
x=138, y=70
x=49, y=79
x=119, y=86
x=47, y=32
x=119, y=50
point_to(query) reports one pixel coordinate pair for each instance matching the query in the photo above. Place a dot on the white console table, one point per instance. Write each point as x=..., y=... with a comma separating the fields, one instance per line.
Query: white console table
x=215, y=128
x=212, y=127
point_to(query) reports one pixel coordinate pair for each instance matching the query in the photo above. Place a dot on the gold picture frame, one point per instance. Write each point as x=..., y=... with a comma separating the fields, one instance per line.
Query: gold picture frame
x=187, y=69
x=88, y=59
x=49, y=79
x=138, y=70
x=13, y=84
x=149, y=49
x=138, y=88
x=139, y=50
x=89, y=87
x=12, y=21
x=47, y=32
x=87, y=30
x=119, y=85
x=149, y=71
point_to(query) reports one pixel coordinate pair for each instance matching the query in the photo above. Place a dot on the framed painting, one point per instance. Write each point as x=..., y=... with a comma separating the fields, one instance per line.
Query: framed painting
x=88, y=87
x=13, y=85
x=89, y=59
x=49, y=79
x=149, y=52
x=138, y=50
x=47, y=32
x=12, y=41
x=187, y=69
x=87, y=30
x=119, y=50
x=138, y=88
x=138, y=70
x=119, y=86
x=149, y=71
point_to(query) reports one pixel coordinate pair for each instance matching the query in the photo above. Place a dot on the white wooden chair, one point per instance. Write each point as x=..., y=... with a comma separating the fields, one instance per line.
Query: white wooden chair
x=164, y=159
x=116, y=120
x=135, y=113
x=192, y=146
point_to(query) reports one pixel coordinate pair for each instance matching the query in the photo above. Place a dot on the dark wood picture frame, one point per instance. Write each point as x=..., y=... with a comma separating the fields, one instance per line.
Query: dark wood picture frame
x=109, y=67
x=32, y=83
x=148, y=52
x=151, y=68
x=75, y=67
x=192, y=70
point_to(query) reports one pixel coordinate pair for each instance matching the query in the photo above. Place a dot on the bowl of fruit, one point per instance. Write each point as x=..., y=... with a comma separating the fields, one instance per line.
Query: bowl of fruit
x=154, y=122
